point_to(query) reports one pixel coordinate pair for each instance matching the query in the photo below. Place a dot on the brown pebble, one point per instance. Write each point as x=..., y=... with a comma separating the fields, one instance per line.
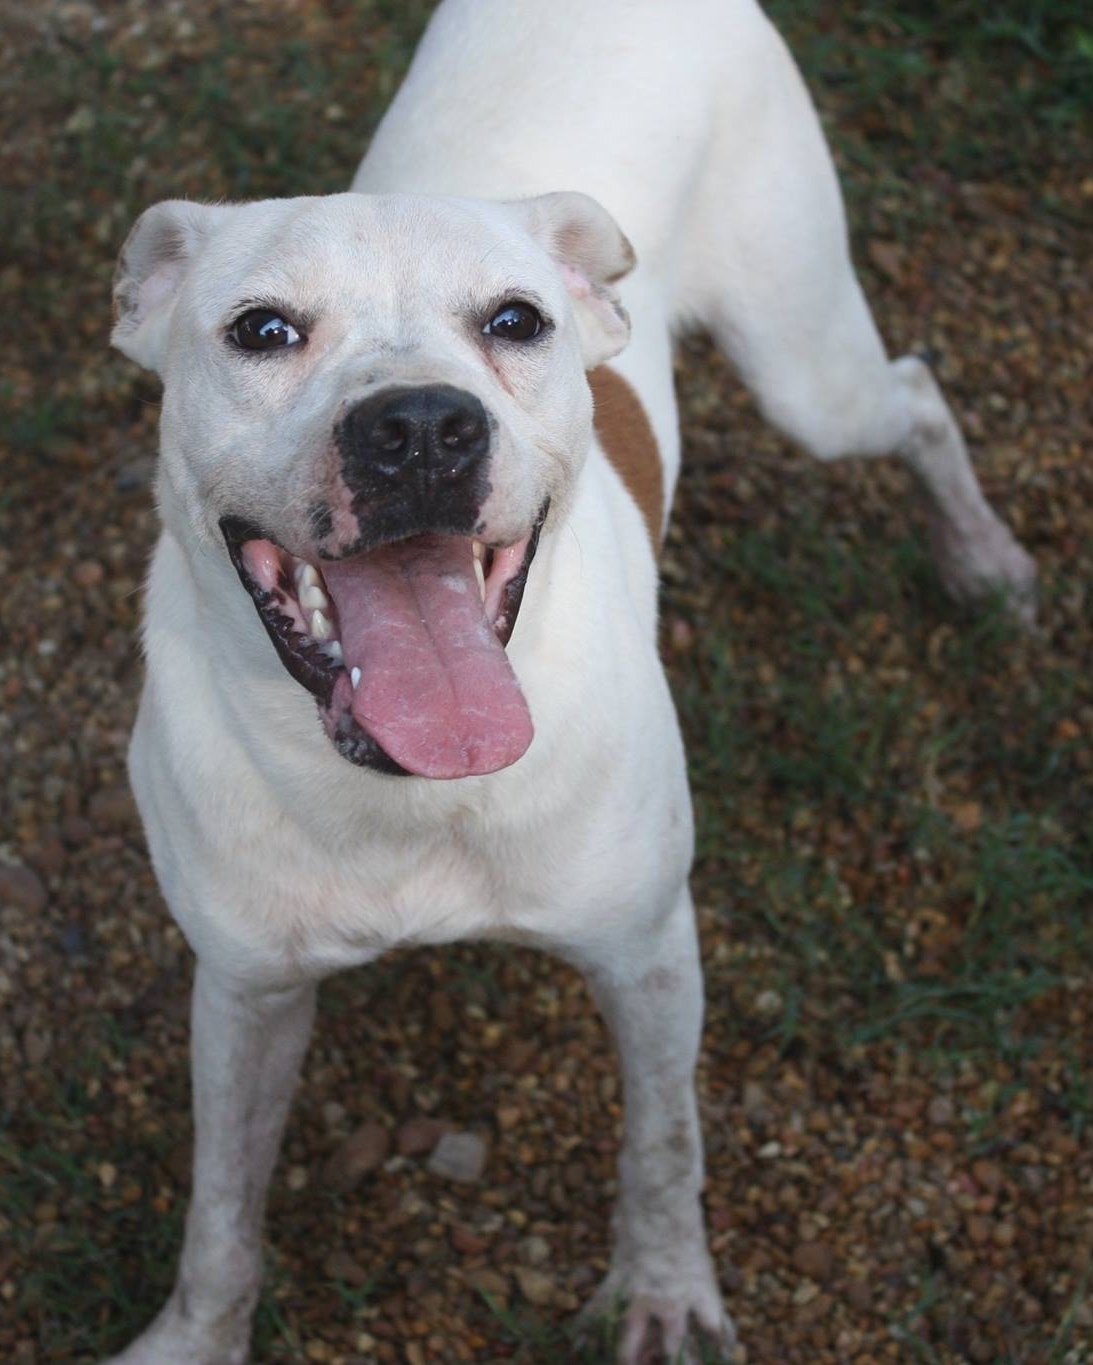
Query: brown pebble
x=516, y=1055
x=50, y=856
x=987, y=1175
x=113, y=808
x=366, y=1149
x=814, y=1259
x=339, y=1265
x=75, y=830
x=536, y=1287
x=418, y=1136
x=489, y=1282
x=940, y=1111
x=22, y=888
x=37, y=1045
x=978, y=1229
x=468, y=1242
x=89, y=573
x=859, y=1296
x=179, y=1161
x=440, y=1007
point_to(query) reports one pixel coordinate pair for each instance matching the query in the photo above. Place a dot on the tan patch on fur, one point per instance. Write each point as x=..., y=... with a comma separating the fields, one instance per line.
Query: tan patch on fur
x=629, y=443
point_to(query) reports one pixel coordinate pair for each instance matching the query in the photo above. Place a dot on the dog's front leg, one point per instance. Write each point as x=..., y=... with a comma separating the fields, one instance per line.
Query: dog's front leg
x=247, y=1048
x=649, y=987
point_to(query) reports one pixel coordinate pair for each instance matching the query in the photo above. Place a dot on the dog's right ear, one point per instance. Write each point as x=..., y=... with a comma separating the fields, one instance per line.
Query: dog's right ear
x=152, y=263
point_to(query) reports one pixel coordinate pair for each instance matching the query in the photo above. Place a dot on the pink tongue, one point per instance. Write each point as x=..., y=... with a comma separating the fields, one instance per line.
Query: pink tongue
x=437, y=690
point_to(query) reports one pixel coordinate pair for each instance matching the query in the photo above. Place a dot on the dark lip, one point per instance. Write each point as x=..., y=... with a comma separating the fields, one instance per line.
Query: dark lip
x=308, y=663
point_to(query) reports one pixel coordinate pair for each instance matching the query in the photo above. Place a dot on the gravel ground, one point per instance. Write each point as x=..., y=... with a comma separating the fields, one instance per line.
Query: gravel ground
x=895, y=859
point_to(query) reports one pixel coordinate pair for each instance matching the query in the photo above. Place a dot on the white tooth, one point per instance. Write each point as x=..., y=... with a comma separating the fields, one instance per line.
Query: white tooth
x=334, y=649
x=313, y=598
x=355, y=677
x=307, y=575
x=478, y=573
x=321, y=627
x=478, y=549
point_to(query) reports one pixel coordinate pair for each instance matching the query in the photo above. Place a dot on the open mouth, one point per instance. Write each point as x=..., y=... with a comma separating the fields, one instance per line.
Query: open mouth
x=403, y=647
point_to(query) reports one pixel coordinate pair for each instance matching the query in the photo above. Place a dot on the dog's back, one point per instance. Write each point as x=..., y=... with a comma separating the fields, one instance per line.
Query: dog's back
x=507, y=98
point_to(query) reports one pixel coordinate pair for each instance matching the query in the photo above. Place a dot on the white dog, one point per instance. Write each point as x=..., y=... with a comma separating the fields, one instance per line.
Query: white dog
x=378, y=430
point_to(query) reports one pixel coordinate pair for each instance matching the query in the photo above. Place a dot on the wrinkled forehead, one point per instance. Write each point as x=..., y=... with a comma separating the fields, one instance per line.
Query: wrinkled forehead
x=383, y=250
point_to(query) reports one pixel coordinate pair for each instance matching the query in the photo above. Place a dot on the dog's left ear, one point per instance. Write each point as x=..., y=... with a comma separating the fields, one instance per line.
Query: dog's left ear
x=592, y=253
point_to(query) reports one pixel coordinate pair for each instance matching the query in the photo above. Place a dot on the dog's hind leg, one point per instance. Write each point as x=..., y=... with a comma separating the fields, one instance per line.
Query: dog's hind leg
x=648, y=986
x=247, y=1049
x=765, y=265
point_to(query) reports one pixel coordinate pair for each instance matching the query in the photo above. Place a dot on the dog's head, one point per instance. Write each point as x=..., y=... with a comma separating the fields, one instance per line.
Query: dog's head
x=370, y=402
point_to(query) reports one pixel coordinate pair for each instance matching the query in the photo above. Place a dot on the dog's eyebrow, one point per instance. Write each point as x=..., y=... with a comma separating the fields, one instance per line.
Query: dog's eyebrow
x=477, y=307
x=302, y=318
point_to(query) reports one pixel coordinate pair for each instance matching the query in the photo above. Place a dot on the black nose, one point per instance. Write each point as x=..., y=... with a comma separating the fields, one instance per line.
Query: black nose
x=430, y=436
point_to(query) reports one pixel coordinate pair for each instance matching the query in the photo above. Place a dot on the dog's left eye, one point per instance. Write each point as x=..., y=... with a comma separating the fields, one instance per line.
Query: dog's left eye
x=516, y=321
x=261, y=329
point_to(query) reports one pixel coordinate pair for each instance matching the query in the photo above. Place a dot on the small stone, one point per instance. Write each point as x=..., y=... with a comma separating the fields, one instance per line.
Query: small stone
x=859, y=1296
x=50, y=856
x=364, y=1151
x=297, y=1178
x=490, y=1283
x=887, y=258
x=469, y=1242
x=36, y=1046
x=987, y=1175
x=509, y=1117
x=339, y=1265
x=89, y=573
x=979, y=1229
x=815, y=1260
x=757, y=1108
x=113, y=808
x=459, y=1156
x=333, y=1113
x=940, y=1111
x=22, y=888
x=75, y=830
x=72, y=939
x=107, y=1174
x=536, y=1287
x=967, y=817
x=418, y=1136
x=179, y=1161
x=534, y=1251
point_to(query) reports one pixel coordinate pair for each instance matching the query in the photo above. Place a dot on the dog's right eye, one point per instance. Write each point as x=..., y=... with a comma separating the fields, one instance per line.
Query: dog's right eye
x=262, y=329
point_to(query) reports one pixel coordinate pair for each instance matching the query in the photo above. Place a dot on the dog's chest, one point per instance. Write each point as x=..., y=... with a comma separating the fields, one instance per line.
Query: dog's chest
x=311, y=908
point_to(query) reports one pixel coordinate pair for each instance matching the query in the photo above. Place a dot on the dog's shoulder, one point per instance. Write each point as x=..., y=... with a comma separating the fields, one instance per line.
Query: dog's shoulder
x=626, y=435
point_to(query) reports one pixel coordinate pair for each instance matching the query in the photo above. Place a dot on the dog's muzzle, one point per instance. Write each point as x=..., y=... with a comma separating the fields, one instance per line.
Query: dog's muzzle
x=414, y=459
x=397, y=618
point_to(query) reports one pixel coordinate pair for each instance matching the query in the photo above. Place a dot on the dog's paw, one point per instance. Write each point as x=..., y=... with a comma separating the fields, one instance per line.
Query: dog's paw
x=173, y=1340
x=685, y=1326
x=975, y=566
